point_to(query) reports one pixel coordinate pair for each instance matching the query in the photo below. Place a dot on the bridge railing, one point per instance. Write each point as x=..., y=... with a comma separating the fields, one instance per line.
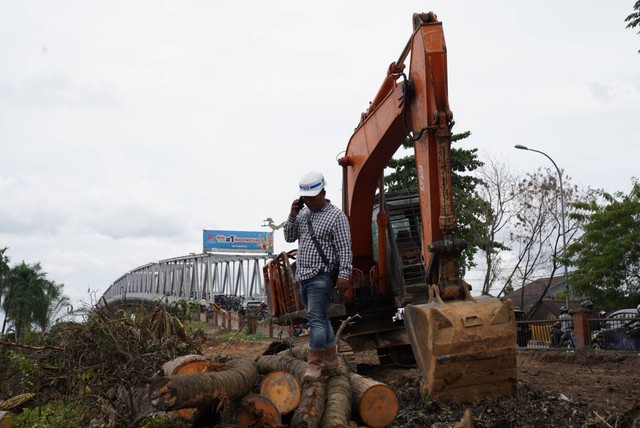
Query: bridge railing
x=193, y=276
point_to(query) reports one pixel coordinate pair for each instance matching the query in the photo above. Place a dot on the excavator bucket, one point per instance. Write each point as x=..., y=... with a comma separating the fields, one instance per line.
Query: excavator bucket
x=465, y=350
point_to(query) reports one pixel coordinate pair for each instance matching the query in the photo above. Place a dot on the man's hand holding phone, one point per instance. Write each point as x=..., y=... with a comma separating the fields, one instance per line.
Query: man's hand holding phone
x=297, y=206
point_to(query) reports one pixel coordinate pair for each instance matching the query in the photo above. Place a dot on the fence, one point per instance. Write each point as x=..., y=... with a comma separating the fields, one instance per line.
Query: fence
x=615, y=333
x=233, y=322
x=603, y=333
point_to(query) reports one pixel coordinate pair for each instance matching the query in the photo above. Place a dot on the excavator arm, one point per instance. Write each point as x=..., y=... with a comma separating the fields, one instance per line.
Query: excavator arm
x=414, y=106
x=464, y=347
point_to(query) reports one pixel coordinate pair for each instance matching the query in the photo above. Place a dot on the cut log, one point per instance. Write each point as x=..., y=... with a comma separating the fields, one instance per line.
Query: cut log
x=257, y=411
x=272, y=363
x=283, y=389
x=377, y=403
x=192, y=363
x=301, y=351
x=337, y=412
x=311, y=406
x=141, y=407
x=203, y=389
x=6, y=419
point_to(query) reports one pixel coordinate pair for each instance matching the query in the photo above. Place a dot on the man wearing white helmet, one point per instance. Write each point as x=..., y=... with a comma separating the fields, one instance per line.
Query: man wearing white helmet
x=324, y=252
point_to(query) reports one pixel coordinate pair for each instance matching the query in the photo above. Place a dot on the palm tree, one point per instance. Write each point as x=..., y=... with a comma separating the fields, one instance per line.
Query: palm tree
x=24, y=293
x=31, y=300
x=52, y=308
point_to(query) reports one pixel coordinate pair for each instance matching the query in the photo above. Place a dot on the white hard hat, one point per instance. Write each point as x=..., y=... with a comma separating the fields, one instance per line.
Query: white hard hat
x=311, y=183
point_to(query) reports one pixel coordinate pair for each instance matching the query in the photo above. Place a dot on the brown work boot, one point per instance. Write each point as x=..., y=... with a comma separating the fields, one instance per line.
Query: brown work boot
x=314, y=365
x=330, y=363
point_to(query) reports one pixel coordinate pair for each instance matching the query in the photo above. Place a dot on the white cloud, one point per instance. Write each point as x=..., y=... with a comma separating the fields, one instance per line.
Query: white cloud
x=128, y=127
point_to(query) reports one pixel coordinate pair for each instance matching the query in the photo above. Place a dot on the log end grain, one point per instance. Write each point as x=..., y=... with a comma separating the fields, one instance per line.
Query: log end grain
x=186, y=364
x=283, y=389
x=257, y=411
x=379, y=406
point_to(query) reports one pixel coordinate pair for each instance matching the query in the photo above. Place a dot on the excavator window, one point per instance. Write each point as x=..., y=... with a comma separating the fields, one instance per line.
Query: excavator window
x=403, y=240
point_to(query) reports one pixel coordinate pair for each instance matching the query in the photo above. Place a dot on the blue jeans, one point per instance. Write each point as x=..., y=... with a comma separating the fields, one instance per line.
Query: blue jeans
x=316, y=297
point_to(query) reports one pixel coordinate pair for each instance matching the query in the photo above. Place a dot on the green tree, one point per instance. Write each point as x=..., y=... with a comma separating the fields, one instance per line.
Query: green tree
x=23, y=288
x=4, y=265
x=4, y=270
x=634, y=19
x=30, y=299
x=607, y=256
x=465, y=202
x=52, y=308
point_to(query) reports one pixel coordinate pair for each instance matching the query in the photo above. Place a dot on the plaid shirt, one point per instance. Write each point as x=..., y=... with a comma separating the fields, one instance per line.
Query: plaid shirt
x=331, y=227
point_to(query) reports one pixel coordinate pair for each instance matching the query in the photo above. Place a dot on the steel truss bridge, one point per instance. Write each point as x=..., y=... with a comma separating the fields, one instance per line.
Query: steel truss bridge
x=193, y=276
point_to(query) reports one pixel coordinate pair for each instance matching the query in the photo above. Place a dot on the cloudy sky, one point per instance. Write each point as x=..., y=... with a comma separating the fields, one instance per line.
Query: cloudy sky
x=127, y=127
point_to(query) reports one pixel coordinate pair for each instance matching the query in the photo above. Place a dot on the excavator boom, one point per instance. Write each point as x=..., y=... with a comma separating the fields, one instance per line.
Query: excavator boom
x=415, y=107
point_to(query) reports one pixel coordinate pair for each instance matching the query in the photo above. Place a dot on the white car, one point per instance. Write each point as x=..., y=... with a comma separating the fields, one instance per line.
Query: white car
x=251, y=303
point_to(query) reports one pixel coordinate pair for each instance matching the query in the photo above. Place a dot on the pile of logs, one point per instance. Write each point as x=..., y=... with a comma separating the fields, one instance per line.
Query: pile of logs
x=268, y=391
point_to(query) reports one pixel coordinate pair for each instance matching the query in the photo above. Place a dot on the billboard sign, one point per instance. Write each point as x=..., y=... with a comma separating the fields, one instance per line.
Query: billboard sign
x=237, y=241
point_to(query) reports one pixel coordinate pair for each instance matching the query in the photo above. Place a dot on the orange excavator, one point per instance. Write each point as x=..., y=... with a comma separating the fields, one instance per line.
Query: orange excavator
x=406, y=298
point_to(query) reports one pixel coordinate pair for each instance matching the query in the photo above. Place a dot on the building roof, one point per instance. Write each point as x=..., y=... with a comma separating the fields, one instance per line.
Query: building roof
x=527, y=295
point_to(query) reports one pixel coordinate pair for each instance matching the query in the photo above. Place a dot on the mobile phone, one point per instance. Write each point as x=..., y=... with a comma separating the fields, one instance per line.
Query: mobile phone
x=300, y=203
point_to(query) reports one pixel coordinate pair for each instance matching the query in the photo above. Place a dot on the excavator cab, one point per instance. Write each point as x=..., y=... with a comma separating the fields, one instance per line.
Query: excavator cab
x=406, y=273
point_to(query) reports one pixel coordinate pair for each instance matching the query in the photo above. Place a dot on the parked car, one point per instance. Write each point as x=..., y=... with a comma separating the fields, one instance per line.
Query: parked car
x=251, y=303
x=257, y=306
x=620, y=331
x=523, y=328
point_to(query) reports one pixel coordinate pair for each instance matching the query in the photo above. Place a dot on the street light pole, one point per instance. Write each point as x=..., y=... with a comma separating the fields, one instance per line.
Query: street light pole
x=564, y=232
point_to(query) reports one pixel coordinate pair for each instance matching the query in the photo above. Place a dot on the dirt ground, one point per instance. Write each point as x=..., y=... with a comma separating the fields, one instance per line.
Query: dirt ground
x=556, y=388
